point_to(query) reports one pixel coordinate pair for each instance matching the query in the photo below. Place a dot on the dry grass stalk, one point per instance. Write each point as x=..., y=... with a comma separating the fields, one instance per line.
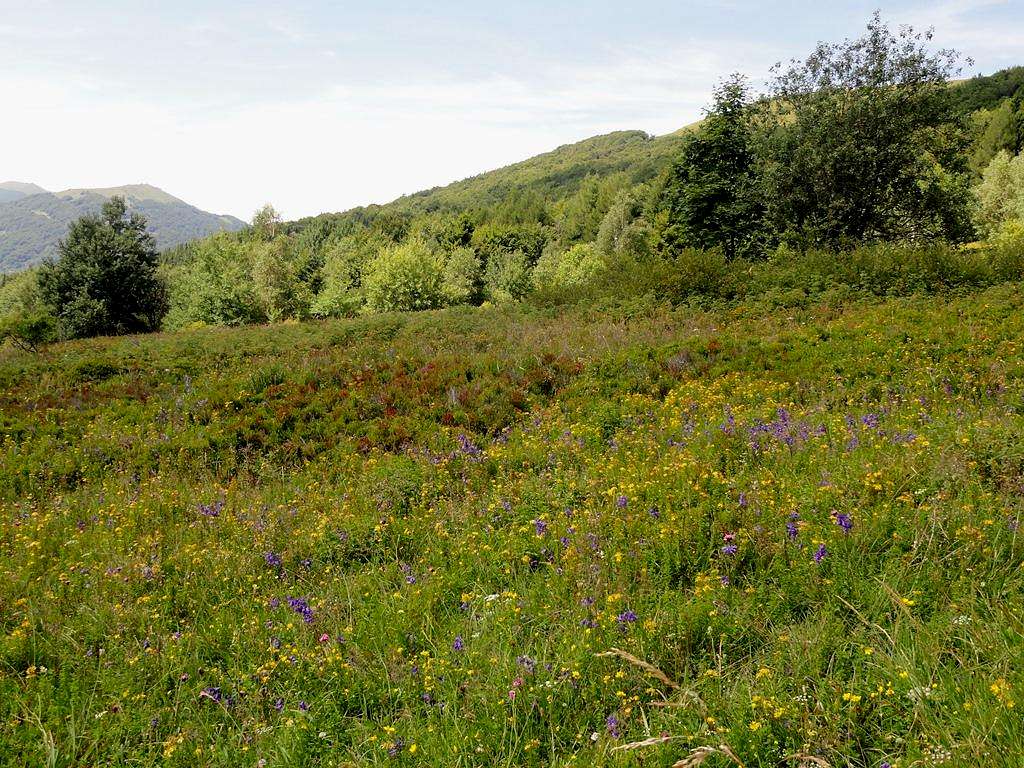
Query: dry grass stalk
x=696, y=758
x=805, y=761
x=651, y=742
x=648, y=667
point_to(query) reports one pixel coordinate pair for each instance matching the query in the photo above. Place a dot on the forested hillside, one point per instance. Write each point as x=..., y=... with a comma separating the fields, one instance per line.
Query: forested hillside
x=556, y=222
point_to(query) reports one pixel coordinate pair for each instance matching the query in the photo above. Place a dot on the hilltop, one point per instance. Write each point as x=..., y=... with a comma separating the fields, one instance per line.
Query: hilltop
x=32, y=220
x=13, y=190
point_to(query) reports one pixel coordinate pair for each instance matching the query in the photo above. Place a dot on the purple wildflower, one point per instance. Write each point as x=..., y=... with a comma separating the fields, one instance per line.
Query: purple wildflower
x=612, y=724
x=628, y=616
x=272, y=559
x=530, y=665
x=820, y=553
x=792, y=529
x=621, y=502
x=212, y=510
x=844, y=521
x=301, y=606
x=730, y=549
x=540, y=526
x=468, y=448
x=458, y=645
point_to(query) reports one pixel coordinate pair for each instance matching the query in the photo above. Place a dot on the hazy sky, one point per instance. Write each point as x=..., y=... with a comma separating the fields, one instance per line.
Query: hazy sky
x=320, y=106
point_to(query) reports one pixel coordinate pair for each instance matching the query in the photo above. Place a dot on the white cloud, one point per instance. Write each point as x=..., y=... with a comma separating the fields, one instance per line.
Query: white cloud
x=989, y=31
x=350, y=145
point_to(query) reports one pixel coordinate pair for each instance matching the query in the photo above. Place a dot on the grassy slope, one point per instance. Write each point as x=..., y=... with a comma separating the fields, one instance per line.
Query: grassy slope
x=475, y=503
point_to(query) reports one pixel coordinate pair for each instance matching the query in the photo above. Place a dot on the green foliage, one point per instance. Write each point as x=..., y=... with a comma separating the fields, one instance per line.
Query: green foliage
x=216, y=288
x=987, y=91
x=578, y=217
x=1008, y=250
x=1000, y=193
x=1000, y=129
x=341, y=278
x=507, y=276
x=577, y=267
x=266, y=223
x=461, y=277
x=106, y=281
x=28, y=330
x=492, y=241
x=851, y=137
x=282, y=295
x=404, y=277
x=712, y=193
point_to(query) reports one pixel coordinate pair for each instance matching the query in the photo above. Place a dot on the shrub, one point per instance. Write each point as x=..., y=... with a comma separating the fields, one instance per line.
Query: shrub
x=579, y=266
x=281, y=294
x=1000, y=193
x=461, y=276
x=1008, y=250
x=404, y=277
x=217, y=288
x=507, y=277
x=341, y=278
x=28, y=330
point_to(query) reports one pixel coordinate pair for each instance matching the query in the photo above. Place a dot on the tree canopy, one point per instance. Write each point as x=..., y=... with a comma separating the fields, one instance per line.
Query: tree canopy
x=105, y=281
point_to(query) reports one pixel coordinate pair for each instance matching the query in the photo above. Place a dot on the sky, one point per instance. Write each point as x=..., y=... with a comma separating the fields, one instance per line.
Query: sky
x=322, y=106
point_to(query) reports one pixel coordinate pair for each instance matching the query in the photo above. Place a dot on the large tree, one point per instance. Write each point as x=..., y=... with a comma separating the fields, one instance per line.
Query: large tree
x=862, y=142
x=712, y=194
x=105, y=281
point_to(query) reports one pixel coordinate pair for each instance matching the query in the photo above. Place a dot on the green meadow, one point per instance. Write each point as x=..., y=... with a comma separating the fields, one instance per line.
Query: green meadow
x=642, y=536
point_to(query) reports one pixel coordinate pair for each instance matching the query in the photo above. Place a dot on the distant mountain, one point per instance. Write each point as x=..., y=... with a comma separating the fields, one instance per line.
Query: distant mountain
x=33, y=221
x=12, y=190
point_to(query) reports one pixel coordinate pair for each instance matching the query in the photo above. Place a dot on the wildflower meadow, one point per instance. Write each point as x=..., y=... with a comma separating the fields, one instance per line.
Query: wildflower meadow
x=505, y=537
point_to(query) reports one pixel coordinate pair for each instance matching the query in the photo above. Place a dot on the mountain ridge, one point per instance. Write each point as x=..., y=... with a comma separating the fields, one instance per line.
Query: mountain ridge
x=32, y=225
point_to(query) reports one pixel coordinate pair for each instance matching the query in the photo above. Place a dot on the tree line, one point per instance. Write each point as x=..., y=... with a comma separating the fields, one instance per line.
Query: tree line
x=861, y=142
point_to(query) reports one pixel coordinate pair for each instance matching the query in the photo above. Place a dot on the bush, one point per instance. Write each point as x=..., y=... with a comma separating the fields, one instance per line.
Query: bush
x=460, y=281
x=28, y=330
x=507, y=277
x=1000, y=193
x=217, y=288
x=1008, y=250
x=404, y=277
x=341, y=279
x=276, y=282
x=581, y=265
